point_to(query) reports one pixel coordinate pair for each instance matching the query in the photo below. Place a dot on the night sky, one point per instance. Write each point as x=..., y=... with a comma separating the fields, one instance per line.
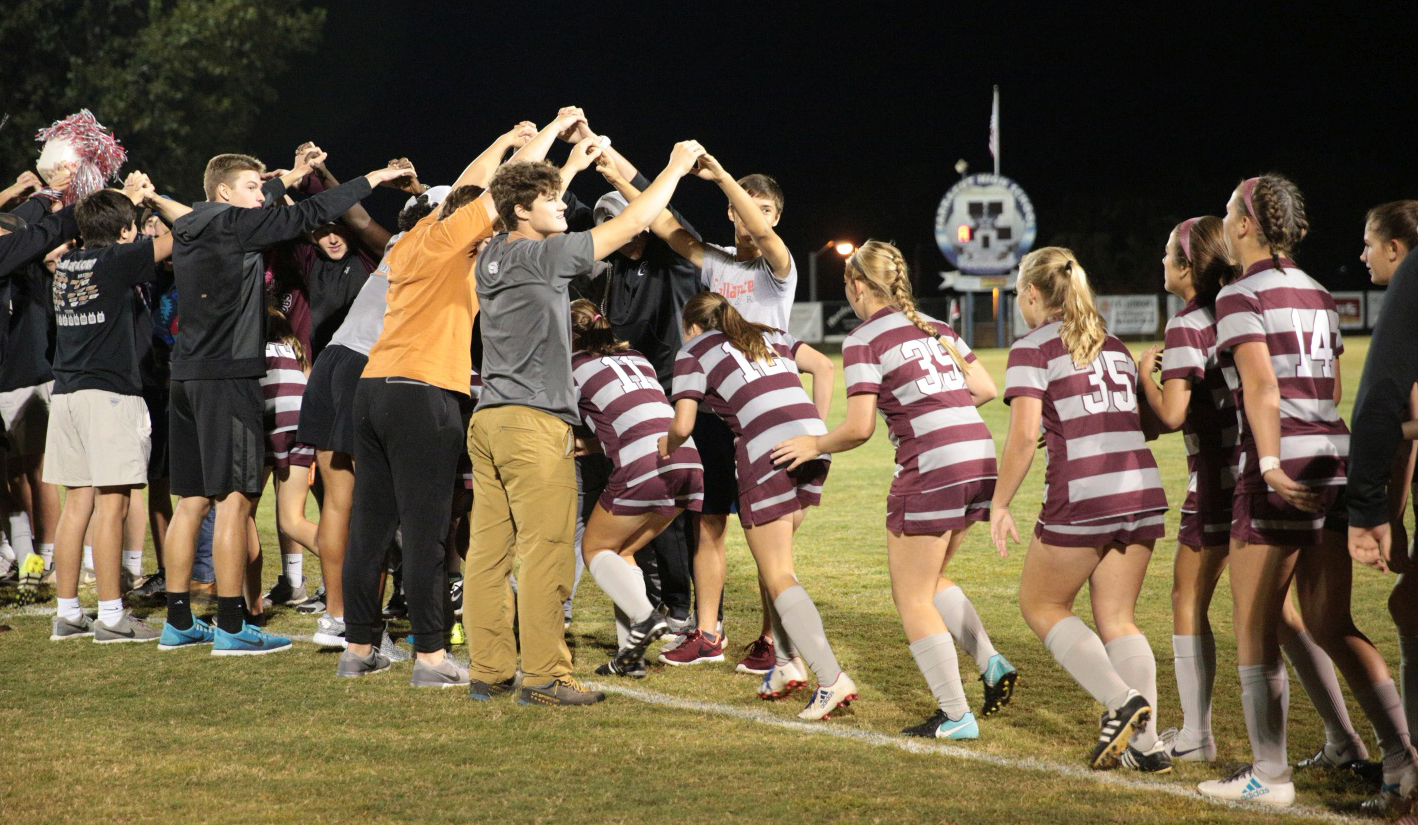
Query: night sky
x=861, y=112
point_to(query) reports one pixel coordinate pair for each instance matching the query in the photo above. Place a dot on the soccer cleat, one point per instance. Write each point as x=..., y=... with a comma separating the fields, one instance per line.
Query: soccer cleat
x=781, y=680
x=1154, y=760
x=31, y=579
x=1245, y=786
x=759, y=659
x=200, y=633
x=129, y=629
x=839, y=694
x=696, y=650
x=1116, y=728
x=249, y=642
x=457, y=636
x=1397, y=792
x=999, y=679
x=1353, y=758
x=445, y=674
x=61, y=628
x=352, y=666
x=455, y=593
x=329, y=632
x=615, y=667
x=314, y=605
x=941, y=726
x=642, y=634
x=563, y=692
x=1187, y=750
x=283, y=593
x=487, y=691
x=391, y=651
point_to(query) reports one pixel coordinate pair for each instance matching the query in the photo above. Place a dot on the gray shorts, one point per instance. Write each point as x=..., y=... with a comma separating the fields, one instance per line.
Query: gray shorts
x=25, y=412
x=98, y=439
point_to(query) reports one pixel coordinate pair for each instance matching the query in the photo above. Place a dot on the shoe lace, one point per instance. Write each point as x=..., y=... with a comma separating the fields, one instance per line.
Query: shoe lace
x=572, y=684
x=1241, y=774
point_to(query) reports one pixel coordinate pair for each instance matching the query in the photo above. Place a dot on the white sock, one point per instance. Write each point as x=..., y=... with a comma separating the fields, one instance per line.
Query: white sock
x=624, y=583
x=1265, y=698
x=1408, y=675
x=1194, y=658
x=1316, y=674
x=935, y=656
x=69, y=609
x=133, y=562
x=20, y=537
x=46, y=552
x=783, y=650
x=7, y=552
x=1081, y=653
x=804, y=626
x=622, y=629
x=1385, y=711
x=295, y=569
x=111, y=612
x=964, y=624
x=88, y=557
x=1133, y=660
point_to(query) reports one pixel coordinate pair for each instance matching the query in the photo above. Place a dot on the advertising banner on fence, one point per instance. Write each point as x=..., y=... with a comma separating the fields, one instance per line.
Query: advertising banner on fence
x=806, y=322
x=1130, y=314
x=1351, y=306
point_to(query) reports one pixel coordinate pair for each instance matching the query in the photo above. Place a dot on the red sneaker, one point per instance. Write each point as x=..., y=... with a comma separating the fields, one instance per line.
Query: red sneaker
x=759, y=659
x=695, y=650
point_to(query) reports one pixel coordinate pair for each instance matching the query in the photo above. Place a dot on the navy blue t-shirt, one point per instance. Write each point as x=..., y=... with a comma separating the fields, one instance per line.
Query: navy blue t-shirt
x=93, y=315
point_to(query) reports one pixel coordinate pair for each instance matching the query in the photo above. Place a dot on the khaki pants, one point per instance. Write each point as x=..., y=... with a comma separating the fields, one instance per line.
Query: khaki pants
x=524, y=506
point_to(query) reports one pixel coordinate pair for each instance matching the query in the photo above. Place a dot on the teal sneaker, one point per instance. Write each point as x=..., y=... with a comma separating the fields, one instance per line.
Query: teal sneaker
x=999, y=678
x=200, y=633
x=940, y=726
x=249, y=642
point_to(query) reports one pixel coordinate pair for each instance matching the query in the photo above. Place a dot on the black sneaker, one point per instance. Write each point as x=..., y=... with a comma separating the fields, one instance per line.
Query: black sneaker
x=315, y=605
x=455, y=592
x=485, y=691
x=564, y=692
x=396, y=609
x=151, y=588
x=634, y=670
x=1116, y=728
x=1157, y=760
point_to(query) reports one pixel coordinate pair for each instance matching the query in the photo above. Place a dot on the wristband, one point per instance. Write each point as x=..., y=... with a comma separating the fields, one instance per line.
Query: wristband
x=1268, y=463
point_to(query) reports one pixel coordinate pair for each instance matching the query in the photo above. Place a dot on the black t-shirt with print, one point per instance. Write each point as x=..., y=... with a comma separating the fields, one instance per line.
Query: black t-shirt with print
x=93, y=313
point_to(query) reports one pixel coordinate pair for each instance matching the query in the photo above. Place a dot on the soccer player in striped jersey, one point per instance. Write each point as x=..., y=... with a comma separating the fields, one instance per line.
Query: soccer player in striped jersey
x=1103, y=501
x=620, y=398
x=926, y=383
x=1195, y=398
x=747, y=375
x=283, y=386
x=1280, y=329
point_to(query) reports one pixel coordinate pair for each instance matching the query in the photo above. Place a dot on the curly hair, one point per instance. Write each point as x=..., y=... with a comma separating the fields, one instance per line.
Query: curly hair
x=520, y=184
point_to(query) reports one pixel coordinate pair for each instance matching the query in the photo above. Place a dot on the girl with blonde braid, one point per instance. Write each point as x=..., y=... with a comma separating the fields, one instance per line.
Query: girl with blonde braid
x=926, y=383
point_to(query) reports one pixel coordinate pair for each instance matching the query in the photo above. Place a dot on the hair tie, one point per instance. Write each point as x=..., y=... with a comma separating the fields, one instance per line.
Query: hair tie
x=1068, y=268
x=1184, y=237
x=597, y=318
x=1248, y=189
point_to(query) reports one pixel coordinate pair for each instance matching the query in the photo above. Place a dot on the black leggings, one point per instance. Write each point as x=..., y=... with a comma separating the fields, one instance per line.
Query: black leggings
x=408, y=435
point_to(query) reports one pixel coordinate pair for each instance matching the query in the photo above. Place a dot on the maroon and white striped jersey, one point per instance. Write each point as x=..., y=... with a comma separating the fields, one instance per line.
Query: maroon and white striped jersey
x=1211, y=432
x=282, y=386
x=1099, y=466
x=764, y=403
x=620, y=398
x=939, y=436
x=1295, y=318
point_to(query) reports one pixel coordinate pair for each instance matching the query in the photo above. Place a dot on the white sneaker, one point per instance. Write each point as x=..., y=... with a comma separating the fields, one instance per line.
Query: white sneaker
x=839, y=694
x=782, y=680
x=1245, y=786
x=329, y=632
x=1186, y=748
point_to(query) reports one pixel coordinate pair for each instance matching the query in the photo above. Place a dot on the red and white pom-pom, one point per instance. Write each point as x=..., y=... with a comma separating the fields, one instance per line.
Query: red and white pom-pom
x=100, y=155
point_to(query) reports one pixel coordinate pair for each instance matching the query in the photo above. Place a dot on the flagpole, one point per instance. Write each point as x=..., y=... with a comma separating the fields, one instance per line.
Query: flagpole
x=994, y=122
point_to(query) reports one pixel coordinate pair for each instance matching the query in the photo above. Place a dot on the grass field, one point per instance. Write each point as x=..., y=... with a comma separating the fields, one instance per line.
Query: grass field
x=125, y=733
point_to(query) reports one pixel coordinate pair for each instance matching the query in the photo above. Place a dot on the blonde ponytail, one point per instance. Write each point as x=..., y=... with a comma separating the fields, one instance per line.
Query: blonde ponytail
x=883, y=269
x=1064, y=288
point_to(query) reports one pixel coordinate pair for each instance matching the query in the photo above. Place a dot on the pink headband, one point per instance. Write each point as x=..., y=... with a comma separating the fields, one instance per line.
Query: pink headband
x=1184, y=237
x=1247, y=191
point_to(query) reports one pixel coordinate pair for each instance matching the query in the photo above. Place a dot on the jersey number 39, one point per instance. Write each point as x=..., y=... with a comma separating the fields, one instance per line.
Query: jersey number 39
x=941, y=373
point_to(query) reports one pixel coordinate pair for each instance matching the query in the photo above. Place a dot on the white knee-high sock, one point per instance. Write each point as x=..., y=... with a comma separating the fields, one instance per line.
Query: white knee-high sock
x=804, y=626
x=1133, y=660
x=1080, y=652
x=964, y=624
x=1265, y=698
x=935, y=656
x=1194, y=658
x=624, y=583
x=622, y=629
x=1384, y=708
x=20, y=537
x=783, y=649
x=1316, y=674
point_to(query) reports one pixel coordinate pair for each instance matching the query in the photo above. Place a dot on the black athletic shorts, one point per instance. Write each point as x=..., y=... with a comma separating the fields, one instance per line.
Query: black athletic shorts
x=327, y=408
x=716, y=451
x=216, y=440
x=157, y=400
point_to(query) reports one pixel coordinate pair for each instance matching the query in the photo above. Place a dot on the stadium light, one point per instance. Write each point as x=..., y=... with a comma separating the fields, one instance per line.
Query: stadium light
x=843, y=248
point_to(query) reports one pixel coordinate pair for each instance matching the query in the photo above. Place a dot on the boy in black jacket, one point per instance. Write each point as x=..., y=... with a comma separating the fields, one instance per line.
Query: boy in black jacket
x=216, y=441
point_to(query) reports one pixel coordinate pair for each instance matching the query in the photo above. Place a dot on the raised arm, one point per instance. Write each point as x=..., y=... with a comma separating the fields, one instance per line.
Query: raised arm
x=26, y=183
x=259, y=228
x=480, y=171
x=665, y=226
x=583, y=154
x=637, y=216
x=754, y=221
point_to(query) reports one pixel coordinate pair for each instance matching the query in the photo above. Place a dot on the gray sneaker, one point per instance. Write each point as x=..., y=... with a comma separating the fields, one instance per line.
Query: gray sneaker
x=352, y=666
x=329, y=632
x=487, y=691
x=445, y=674
x=391, y=651
x=284, y=594
x=129, y=629
x=564, y=692
x=66, y=629
x=313, y=605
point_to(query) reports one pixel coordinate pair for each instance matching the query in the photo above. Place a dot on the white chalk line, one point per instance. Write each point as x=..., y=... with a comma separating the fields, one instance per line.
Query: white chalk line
x=917, y=746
